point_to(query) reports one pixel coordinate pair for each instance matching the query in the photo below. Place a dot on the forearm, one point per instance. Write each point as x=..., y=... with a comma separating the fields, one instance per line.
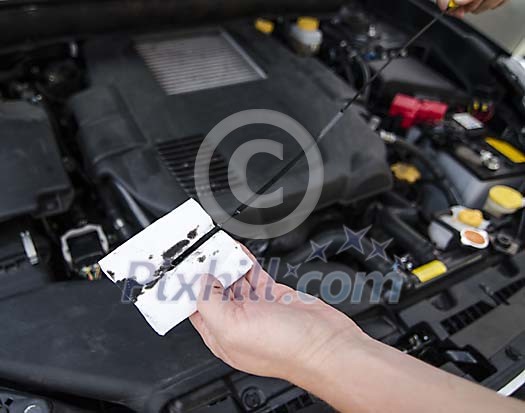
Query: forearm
x=369, y=378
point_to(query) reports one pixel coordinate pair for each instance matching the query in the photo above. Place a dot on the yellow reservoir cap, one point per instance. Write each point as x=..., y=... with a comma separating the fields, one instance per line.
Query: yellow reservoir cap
x=310, y=24
x=471, y=217
x=264, y=26
x=506, y=197
x=452, y=4
x=429, y=271
x=406, y=172
x=507, y=150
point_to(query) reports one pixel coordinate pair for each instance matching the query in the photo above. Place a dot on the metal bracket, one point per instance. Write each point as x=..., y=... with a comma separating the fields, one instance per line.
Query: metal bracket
x=29, y=247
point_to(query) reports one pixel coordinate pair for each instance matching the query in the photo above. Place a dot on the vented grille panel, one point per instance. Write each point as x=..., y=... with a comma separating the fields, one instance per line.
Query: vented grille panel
x=464, y=318
x=179, y=157
x=198, y=62
x=506, y=292
x=296, y=405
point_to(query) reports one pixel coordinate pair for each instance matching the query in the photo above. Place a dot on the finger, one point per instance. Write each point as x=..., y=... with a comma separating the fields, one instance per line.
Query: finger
x=291, y=297
x=482, y=7
x=231, y=293
x=487, y=5
x=200, y=325
x=460, y=7
x=281, y=290
x=208, y=338
x=198, y=322
x=461, y=3
x=242, y=290
x=498, y=3
x=443, y=4
x=235, y=291
x=459, y=13
x=473, y=6
x=213, y=303
x=257, y=277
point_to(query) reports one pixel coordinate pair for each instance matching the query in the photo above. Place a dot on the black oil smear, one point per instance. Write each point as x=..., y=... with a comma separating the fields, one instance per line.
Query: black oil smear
x=171, y=262
x=111, y=274
x=202, y=259
x=174, y=250
x=153, y=283
x=131, y=289
x=193, y=233
x=168, y=264
x=130, y=286
x=215, y=252
x=150, y=256
x=160, y=273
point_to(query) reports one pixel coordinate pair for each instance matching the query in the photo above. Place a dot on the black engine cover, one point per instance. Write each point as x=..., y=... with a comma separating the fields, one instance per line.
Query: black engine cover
x=137, y=131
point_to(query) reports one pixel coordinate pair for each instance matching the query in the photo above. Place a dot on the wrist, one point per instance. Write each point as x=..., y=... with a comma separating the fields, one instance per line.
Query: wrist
x=339, y=376
x=320, y=365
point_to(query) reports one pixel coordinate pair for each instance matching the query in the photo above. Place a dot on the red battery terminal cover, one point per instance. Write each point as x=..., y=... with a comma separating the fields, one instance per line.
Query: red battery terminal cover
x=415, y=111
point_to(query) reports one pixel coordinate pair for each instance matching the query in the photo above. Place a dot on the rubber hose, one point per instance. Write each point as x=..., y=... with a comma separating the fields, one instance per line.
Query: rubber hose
x=394, y=222
x=135, y=209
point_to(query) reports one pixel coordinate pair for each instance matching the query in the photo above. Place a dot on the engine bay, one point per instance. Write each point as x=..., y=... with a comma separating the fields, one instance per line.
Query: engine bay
x=423, y=184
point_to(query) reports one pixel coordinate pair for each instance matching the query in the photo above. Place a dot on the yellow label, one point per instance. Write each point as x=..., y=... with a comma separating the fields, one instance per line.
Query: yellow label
x=429, y=271
x=452, y=4
x=507, y=150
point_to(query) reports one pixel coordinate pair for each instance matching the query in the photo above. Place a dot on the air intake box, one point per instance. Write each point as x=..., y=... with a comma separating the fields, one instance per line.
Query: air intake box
x=153, y=100
x=32, y=177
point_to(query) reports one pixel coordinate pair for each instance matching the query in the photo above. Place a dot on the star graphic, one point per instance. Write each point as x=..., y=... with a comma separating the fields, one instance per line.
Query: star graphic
x=292, y=271
x=353, y=240
x=379, y=249
x=318, y=251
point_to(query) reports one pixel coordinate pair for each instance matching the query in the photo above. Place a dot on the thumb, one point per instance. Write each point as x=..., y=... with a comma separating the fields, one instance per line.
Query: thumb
x=213, y=303
x=443, y=4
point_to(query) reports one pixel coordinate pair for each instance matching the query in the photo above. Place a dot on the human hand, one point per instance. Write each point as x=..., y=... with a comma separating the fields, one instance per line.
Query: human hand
x=267, y=329
x=471, y=6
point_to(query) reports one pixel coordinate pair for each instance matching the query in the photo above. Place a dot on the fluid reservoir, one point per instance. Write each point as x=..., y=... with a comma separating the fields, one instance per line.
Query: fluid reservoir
x=503, y=200
x=469, y=223
x=305, y=36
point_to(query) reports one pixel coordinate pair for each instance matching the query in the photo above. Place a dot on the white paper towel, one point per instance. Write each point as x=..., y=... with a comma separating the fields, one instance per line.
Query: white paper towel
x=166, y=296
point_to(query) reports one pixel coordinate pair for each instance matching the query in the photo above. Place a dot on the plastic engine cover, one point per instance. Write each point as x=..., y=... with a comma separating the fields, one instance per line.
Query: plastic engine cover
x=153, y=100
